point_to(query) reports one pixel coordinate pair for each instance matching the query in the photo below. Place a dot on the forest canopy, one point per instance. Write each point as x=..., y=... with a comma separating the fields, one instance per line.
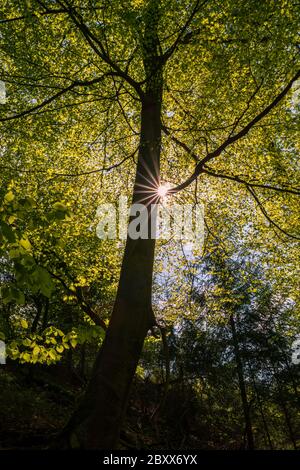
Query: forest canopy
x=150, y=343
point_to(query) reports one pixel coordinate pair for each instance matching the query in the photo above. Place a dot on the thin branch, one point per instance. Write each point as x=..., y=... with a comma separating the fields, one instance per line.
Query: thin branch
x=98, y=47
x=76, y=83
x=81, y=302
x=237, y=179
x=180, y=144
x=98, y=170
x=183, y=30
x=238, y=120
x=271, y=221
x=23, y=17
x=123, y=112
x=188, y=38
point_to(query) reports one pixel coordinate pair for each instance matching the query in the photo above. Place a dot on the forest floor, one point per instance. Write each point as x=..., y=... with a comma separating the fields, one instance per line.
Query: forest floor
x=32, y=410
x=36, y=403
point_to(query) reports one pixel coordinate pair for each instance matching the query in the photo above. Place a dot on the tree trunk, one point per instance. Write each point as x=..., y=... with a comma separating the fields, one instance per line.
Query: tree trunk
x=284, y=409
x=39, y=308
x=242, y=385
x=261, y=410
x=97, y=422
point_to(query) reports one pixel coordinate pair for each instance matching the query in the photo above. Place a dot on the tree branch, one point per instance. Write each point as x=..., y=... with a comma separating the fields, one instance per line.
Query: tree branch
x=98, y=47
x=271, y=221
x=76, y=83
x=178, y=40
x=23, y=17
x=230, y=140
x=104, y=169
x=237, y=179
x=81, y=302
x=180, y=144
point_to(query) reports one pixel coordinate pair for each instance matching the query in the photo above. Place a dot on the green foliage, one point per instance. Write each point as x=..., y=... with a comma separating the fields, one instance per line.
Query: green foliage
x=70, y=131
x=49, y=346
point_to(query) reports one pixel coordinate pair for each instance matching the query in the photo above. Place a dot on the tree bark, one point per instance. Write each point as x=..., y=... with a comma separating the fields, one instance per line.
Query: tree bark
x=97, y=422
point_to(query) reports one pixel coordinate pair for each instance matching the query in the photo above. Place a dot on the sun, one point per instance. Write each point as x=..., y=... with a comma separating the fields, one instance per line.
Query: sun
x=162, y=190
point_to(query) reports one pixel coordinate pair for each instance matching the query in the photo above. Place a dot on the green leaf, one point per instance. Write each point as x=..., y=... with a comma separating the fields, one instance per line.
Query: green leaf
x=10, y=293
x=36, y=350
x=9, y=196
x=59, y=211
x=24, y=323
x=27, y=342
x=25, y=243
x=11, y=219
x=14, y=253
x=25, y=356
x=7, y=232
x=42, y=281
x=26, y=202
x=52, y=354
x=28, y=261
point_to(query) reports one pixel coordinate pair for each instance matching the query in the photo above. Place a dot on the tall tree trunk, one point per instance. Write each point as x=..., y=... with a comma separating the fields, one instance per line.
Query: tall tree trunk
x=96, y=424
x=261, y=410
x=282, y=403
x=39, y=308
x=242, y=386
